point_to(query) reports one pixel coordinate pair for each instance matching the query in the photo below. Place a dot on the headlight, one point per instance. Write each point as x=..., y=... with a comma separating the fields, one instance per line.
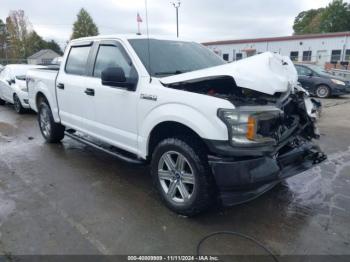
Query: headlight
x=244, y=124
x=338, y=82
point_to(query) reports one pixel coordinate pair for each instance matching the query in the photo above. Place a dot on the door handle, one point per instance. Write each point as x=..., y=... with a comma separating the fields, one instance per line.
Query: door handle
x=60, y=86
x=89, y=91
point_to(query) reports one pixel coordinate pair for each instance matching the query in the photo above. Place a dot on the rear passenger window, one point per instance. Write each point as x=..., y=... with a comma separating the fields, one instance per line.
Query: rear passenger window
x=77, y=60
x=111, y=56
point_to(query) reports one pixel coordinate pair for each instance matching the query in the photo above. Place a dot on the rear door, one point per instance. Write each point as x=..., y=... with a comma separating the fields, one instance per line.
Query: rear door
x=115, y=107
x=76, y=108
x=305, y=77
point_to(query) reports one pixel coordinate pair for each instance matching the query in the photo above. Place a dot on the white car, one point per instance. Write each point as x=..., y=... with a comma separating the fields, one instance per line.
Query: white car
x=212, y=132
x=13, y=87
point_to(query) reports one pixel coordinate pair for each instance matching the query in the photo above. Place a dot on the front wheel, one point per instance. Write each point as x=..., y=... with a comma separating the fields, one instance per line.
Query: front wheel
x=182, y=176
x=2, y=102
x=323, y=91
x=51, y=131
x=17, y=104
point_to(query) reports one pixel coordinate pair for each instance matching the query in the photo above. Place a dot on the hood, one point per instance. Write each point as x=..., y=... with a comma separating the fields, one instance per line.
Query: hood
x=267, y=73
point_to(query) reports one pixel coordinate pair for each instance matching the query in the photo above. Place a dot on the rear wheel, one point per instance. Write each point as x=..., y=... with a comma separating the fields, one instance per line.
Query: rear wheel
x=323, y=91
x=182, y=176
x=51, y=131
x=2, y=102
x=17, y=104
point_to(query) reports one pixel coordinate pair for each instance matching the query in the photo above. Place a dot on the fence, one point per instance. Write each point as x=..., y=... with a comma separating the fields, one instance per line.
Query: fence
x=4, y=61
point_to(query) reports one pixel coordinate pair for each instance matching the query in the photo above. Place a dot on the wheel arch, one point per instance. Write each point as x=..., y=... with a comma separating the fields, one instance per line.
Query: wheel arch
x=168, y=129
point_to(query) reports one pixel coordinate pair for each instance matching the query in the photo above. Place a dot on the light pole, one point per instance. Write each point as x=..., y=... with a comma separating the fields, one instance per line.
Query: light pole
x=177, y=5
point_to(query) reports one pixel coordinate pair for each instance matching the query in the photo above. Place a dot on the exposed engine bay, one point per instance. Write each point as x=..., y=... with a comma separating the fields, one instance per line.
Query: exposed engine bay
x=294, y=119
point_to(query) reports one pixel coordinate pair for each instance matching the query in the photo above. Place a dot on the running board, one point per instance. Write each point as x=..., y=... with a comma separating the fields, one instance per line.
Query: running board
x=115, y=153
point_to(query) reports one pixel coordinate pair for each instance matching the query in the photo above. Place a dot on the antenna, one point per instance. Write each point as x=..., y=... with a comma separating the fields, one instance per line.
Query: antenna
x=148, y=45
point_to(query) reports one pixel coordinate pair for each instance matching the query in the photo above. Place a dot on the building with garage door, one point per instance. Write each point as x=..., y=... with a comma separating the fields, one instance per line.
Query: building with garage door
x=314, y=48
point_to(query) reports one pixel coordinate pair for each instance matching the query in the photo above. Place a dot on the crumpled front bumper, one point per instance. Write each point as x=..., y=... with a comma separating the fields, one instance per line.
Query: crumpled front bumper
x=241, y=180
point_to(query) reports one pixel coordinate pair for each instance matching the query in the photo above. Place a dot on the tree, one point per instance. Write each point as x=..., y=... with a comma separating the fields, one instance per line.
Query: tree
x=34, y=43
x=53, y=45
x=3, y=39
x=334, y=18
x=18, y=27
x=84, y=26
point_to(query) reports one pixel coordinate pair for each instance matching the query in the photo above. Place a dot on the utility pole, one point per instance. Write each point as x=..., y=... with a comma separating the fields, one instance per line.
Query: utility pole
x=177, y=5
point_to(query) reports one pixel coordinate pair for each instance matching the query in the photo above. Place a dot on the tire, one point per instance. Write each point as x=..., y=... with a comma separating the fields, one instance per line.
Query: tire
x=17, y=104
x=2, y=102
x=188, y=192
x=323, y=91
x=51, y=131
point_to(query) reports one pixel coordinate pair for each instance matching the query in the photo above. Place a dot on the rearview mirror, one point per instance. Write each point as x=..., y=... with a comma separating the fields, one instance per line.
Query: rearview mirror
x=115, y=76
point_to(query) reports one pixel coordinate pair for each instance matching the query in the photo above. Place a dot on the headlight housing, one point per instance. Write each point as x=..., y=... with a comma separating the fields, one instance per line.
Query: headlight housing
x=244, y=124
x=338, y=82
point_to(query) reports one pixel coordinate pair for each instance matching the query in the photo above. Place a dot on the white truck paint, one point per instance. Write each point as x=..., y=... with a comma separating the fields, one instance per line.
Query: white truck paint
x=201, y=113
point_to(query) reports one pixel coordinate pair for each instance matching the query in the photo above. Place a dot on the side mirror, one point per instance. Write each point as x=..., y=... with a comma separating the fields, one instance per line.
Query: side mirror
x=310, y=74
x=115, y=76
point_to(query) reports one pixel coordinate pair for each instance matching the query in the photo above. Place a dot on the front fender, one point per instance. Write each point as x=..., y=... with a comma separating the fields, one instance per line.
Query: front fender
x=207, y=125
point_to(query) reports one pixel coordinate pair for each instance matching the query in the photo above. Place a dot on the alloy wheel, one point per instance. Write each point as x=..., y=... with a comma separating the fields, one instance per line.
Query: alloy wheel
x=176, y=177
x=45, y=123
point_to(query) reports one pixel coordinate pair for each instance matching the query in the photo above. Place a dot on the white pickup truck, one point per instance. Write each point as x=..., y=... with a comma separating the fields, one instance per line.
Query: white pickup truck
x=212, y=132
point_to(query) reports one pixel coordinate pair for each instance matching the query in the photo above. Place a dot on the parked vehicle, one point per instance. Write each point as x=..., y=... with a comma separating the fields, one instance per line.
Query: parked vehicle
x=320, y=83
x=13, y=88
x=211, y=131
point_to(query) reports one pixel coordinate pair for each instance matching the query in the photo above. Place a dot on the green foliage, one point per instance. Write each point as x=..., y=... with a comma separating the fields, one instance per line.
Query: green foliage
x=3, y=37
x=20, y=40
x=334, y=18
x=84, y=26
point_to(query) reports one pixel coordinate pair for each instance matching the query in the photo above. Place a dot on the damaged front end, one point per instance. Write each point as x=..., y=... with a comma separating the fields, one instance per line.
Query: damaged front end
x=270, y=132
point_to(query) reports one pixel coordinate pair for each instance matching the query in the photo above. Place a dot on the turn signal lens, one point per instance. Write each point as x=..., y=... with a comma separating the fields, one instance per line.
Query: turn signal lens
x=251, y=128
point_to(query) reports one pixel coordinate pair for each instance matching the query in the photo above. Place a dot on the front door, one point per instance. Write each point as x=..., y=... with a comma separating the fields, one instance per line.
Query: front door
x=322, y=57
x=75, y=103
x=115, y=107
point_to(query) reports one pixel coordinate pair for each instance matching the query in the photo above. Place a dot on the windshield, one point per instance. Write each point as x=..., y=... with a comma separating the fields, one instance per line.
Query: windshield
x=173, y=57
x=318, y=69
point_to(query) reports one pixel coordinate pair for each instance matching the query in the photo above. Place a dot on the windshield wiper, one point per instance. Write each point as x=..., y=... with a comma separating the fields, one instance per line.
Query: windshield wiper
x=177, y=72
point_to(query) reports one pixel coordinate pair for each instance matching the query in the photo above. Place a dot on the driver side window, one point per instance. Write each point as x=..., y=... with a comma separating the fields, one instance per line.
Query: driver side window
x=303, y=71
x=111, y=56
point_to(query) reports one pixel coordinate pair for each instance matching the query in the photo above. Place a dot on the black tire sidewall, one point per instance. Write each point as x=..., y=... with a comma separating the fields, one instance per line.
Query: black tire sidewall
x=199, y=167
x=17, y=101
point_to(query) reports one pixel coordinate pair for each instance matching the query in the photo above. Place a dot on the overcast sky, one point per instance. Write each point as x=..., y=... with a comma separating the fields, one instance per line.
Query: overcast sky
x=200, y=20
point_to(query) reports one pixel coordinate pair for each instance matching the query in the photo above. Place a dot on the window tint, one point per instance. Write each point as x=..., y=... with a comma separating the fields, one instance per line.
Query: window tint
x=307, y=55
x=303, y=71
x=77, y=60
x=294, y=55
x=111, y=56
x=336, y=54
x=347, y=55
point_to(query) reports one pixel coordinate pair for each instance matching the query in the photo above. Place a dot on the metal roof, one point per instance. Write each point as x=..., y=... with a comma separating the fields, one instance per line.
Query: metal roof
x=276, y=39
x=41, y=53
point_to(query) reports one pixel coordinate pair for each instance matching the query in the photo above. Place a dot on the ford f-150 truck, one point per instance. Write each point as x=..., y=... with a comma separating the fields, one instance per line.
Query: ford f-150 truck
x=211, y=131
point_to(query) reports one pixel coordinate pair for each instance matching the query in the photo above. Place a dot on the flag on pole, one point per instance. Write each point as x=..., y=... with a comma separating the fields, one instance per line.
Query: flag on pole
x=139, y=19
